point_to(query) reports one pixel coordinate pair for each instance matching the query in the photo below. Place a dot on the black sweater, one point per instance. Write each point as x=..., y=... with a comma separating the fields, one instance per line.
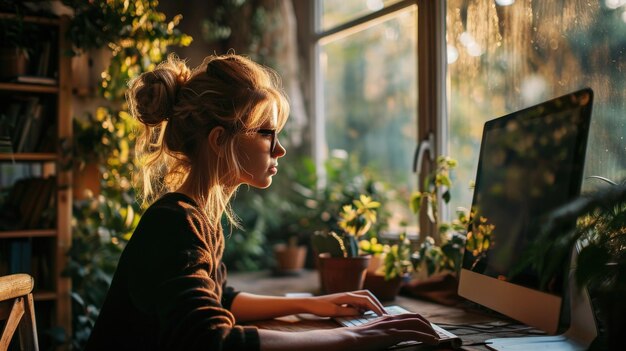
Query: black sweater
x=169, y=291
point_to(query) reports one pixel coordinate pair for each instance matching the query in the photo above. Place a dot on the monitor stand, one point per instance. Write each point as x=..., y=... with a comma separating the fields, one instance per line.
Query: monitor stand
x=578, y=337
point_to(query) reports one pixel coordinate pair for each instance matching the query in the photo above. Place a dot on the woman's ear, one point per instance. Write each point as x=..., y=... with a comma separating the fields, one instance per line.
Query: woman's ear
x=216, y=139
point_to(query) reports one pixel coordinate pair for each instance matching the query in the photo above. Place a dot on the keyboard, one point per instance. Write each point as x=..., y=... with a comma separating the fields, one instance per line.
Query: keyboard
x=445, y=337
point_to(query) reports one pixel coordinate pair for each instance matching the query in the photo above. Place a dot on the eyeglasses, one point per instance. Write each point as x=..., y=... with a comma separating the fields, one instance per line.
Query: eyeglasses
x=272, y=133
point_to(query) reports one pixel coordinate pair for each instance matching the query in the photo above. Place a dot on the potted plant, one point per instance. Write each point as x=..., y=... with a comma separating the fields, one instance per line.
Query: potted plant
x=376, y=250
x=442, y=254
x=289, y=235
x=396, y=268
x=437, y=260
x=289, y=257
x=600, y=218
x=340, y=265
x=16, y=40
x=346, y=180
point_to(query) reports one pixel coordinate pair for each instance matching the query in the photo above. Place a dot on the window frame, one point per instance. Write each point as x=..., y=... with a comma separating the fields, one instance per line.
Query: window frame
x=431, y=83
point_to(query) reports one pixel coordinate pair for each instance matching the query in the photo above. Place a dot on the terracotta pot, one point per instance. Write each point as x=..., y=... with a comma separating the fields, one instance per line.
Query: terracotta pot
x=375, y=263
x=441, y=288
x=338, y=274
x=384, y=290
x=13, y=62
x=289, y=259
x=86, y=181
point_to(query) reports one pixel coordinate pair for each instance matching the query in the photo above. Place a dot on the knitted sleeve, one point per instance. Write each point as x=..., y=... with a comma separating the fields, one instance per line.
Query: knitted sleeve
x=177, y=277
x=228, y=296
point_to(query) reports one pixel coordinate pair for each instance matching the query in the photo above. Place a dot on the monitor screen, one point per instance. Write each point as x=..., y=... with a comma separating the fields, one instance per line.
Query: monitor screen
x=531, y=162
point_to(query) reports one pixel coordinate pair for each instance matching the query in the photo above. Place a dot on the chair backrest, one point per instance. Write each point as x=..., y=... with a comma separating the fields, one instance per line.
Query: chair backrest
x=17, y=310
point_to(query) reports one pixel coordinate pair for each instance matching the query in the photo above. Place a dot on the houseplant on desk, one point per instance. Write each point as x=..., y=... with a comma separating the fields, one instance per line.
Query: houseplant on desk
x=445, y=252
x=340, y=266
x=395, y=269
x=600, y=218
x=438, y=257
x=289, y=257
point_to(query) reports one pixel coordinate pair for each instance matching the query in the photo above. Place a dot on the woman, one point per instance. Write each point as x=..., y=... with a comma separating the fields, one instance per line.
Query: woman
x=206, y=132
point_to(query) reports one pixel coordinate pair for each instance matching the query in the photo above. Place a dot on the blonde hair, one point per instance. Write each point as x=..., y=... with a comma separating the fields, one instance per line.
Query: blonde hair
x=178, y=107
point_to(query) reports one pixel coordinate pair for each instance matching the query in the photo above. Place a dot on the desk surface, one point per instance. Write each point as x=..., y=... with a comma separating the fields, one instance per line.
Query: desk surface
x=472, y=326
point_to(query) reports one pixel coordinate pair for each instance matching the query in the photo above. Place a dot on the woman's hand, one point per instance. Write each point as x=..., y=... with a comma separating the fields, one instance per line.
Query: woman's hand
x=248, y=307
x=375, y=335
x=390, y=330
x=345, y=304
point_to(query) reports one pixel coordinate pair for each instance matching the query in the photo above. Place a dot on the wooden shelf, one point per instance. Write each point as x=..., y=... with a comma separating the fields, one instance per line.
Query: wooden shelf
x=44, y=295
x=30, y=233
x=48, y=21
x=29, y=88
x=28, y=157
x=48, y=247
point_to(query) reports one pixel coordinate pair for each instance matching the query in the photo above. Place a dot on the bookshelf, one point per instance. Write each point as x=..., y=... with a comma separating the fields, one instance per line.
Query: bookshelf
x=35, y=186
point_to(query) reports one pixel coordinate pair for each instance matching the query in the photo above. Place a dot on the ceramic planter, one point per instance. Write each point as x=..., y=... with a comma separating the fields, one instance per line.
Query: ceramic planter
x=384, y=290
x=289, y=259
x=339, y=274
x=86, y=181
x=376, y=263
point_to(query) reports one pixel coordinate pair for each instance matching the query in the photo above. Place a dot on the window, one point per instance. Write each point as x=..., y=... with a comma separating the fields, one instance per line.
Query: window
x=366, y=83
x=507, y=55
x=335, y=13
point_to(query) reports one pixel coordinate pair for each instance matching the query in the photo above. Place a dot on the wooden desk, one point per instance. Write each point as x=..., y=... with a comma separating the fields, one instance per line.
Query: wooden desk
x=472, y=326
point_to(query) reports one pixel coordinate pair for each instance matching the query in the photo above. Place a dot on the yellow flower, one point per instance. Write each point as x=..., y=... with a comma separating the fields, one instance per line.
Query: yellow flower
x=357, y=221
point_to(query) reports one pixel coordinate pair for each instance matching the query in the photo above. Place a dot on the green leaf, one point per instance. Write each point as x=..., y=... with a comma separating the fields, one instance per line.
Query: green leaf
x=446, y=196
x=591, y=264
x=416, y=202
x=445, y=180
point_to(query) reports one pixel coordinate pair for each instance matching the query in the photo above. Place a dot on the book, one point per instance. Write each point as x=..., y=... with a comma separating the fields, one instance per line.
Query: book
x=6, y=146
x=27, y=204
x=43, y=65
x=10, y=214
x=23, y=121
x=20, y=253
x=36, y=127
x=48, y=138
x=29, y=201
x=35, y=80
x=48, y=215
x=31, y=128
x=46, y=190
x=24, y=202
x=10, y=119
x=7, y=123
x=41, y=262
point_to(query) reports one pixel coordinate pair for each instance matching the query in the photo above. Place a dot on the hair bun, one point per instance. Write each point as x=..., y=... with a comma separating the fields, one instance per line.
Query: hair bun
x=152, y=95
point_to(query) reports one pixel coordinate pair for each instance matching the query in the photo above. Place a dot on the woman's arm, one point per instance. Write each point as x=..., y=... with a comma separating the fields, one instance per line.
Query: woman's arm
x=248, y=307
x=376, y=335
x=173, y=279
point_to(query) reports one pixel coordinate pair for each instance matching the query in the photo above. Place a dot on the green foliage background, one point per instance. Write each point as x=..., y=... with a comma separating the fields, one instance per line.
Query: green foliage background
x=137, y=36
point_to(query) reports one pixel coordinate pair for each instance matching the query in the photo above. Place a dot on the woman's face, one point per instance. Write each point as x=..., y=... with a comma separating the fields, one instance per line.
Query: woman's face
x=257, y=161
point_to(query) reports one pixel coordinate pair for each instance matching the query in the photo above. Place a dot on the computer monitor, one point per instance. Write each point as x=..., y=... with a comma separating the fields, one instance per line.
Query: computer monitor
x=531, y=162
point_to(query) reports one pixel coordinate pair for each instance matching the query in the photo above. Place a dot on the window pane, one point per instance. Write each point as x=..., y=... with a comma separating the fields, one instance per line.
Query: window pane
x=504, y=58
x=369, y=83
x=336, y=12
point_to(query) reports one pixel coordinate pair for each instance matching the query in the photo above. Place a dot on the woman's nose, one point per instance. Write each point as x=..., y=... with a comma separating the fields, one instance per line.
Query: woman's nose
x=279, y=151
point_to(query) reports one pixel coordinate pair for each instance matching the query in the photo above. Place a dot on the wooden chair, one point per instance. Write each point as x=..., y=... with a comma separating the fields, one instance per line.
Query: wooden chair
x=17, y=311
